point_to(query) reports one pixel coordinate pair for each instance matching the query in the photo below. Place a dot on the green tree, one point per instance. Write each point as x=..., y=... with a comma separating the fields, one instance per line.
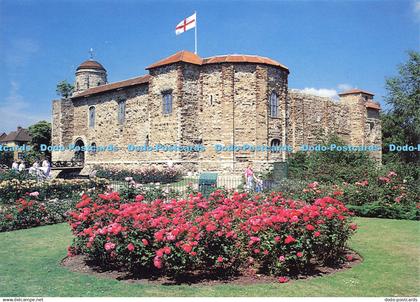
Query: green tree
x=40, y=134
x=401, y=123
x=64, y=89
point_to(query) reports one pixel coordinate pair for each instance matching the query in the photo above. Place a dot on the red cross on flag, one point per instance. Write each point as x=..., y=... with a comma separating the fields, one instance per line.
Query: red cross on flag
x=186, y=24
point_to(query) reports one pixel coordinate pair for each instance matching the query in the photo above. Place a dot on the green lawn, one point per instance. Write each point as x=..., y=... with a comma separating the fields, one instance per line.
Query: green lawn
x=29, y=266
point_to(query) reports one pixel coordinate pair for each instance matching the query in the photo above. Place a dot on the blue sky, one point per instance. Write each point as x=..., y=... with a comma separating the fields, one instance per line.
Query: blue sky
x=327, y=45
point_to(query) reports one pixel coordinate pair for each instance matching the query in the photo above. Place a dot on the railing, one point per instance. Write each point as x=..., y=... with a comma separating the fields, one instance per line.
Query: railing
x=194, y=183
x=62, y=164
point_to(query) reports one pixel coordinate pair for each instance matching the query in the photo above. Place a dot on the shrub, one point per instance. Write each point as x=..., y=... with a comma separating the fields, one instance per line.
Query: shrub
x=220, y=234
x=331, y=166
x=149, y=174
x=386, y=196
x=11, y=190
x=30, y=213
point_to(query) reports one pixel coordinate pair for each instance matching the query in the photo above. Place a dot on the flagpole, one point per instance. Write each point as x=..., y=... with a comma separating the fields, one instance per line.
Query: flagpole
x=195, y=32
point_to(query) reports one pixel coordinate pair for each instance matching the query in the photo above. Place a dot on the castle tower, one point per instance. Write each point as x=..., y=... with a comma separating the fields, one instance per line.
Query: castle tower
x=89, y=74
x=364, y=119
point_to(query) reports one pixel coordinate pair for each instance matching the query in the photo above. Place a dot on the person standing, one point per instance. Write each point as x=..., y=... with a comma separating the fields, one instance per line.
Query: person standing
x=22, y=166
x=46, y=167
x=15, y=166
x=249, y=177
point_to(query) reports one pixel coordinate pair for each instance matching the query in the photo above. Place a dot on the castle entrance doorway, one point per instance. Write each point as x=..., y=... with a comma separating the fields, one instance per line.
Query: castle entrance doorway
x=79, y=154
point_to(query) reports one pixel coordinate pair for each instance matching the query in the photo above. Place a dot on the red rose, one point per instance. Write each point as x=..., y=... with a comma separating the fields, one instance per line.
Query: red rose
x=299, y=254
x=187, y=248
x=283, y=279
x=310, y=227
x=219, y=259
x=130, y=247
x=145, y=242
x=317, y=234
x=289, y=239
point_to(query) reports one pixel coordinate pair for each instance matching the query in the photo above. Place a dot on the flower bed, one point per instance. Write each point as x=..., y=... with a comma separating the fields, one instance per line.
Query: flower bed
x=147, y=174
x=12, y=190
x=29, y=212
x=221, y=234
x=387, y=196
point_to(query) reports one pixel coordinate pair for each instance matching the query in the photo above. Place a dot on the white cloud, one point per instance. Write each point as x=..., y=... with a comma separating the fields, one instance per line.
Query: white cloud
x=325, y=92
x=344, y=87
x=416, y=9
x=16, y=112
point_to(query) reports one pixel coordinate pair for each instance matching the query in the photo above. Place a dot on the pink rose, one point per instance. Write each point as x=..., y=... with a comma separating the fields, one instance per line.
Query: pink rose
x=130, y=247
x=109, y=246
x=34, y=194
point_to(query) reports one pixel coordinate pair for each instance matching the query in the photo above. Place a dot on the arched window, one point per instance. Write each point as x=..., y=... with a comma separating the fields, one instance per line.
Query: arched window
x=91, y=117
x=121, y=112
x=275, y=143
x=274, y=105
x=167, y=103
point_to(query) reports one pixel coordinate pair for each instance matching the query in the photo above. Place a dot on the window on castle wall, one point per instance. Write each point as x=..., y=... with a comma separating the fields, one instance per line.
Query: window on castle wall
x=211, y=100
x=121, y=112
x=167, y=103
x=146, y=142
x=274, y=105
x=99, y=84
x=91, y=117
x=93, y=148
x=275, y=143
x=372, y=113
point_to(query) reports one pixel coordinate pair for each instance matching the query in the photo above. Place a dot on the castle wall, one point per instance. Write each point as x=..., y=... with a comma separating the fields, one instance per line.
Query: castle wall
x=277, y=82
x=224, y=103
x=313, y=117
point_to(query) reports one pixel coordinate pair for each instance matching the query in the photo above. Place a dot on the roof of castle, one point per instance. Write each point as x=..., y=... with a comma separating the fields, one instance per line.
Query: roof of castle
x=355, y=91
x=91, y=64
x=112, y=86
x=20, y=135
x=373, y=105
x=189, y=57
x=181, y=56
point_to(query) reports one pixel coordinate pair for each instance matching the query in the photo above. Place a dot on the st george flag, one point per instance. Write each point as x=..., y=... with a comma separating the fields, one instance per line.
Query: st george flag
x=186, y=24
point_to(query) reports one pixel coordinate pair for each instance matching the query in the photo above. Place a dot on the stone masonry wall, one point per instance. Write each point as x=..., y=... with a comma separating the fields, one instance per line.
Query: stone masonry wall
x=313, y=117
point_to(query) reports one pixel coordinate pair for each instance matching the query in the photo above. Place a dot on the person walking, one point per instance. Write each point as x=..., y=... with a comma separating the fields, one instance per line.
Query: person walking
x=249, y=177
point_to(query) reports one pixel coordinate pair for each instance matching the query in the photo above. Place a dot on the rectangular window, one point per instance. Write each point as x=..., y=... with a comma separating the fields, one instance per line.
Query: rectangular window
x=167, y=103
x=121, y=112
x=92, y=117
x=274, y=105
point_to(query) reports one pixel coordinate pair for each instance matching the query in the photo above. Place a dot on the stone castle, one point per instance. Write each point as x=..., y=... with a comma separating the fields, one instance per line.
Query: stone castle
x=187, y=100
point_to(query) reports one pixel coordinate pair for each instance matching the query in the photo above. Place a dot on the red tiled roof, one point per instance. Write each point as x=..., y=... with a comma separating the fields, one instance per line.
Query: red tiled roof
x=112, y=86
x=90, y=64
x=180, y=56
x=242, y=59
x=355, y=91
x=373, y=105
x=189, y=57
x=20, y=135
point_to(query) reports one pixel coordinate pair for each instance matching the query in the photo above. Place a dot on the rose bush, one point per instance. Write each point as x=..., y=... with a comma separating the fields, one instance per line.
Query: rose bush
x=220, y=234
x=146, y=174
x=386, y=196
x=13, y=189
x=29, y=212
